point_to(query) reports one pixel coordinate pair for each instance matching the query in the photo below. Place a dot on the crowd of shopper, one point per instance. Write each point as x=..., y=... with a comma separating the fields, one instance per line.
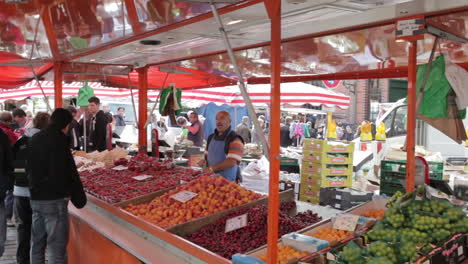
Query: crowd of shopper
x=293, y=132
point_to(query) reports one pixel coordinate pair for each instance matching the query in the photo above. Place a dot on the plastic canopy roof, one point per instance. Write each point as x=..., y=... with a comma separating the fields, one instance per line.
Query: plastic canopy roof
x=13, y=76
x=368, y=52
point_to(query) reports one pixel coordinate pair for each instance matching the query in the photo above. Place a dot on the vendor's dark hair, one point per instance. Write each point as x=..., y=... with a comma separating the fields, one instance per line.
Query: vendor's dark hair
x=123, y=108
x=61, y=118
x=18, y=112
x=94, y=99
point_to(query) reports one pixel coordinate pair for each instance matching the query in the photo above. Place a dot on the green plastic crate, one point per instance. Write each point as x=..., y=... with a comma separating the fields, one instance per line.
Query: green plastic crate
x=436, y=169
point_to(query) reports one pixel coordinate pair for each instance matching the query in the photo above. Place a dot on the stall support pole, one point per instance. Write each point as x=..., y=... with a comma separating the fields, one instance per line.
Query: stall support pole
x=58, y=77
x=133, y=16
x=274, y=12
x=142, y=111
x=242, y=86
x=411, y=119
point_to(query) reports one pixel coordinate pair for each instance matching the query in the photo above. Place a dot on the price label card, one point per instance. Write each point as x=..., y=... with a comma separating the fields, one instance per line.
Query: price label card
x=142, y=177
x=184, y=196
x=236, y=223
x=120, y=168
x=346, y=222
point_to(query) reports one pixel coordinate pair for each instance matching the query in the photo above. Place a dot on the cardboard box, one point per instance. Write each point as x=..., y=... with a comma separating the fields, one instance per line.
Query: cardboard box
x=327, y=158
x=454, y=251
x=310, y=187
x=326, y=169
x=337, y=181
x=309, y=198
x=327, y=146
x=311, y=179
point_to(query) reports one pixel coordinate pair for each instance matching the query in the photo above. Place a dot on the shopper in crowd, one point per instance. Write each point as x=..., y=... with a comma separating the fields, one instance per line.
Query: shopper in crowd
x=256, y=139
x=285, y=138
x=54, y=180
x=75, y=131
x=6, y=122
x=107, y=113
x=196, y=133
x=339, y=131
x=243, y=129
x=20, y=120
x=120, y=117
x=225, y=149
x=313, y=131
x=22, y=207
x=348, y=134
x=321, y=132
x=96, y=126
x=6, y=183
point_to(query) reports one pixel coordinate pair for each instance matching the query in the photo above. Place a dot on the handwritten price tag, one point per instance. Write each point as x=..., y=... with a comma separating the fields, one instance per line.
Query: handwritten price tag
x=184, y=196
x=142, y=177
x=346, y=222
x=236, y=223
x=120, y=168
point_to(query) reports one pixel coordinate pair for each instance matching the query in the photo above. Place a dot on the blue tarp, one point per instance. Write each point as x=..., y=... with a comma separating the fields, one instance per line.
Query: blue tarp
x=209, y=112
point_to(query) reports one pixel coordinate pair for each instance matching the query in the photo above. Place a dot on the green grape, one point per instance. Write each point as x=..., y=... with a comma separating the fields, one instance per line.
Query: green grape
x=415, y=236
x=409, y=251
x=396, y=219
x=388, y=235
x=440, y=235
x=460, y=226
x=454, y=214
x=351, y=254
x=379, y=260
x=382, y=249
x=438, y=206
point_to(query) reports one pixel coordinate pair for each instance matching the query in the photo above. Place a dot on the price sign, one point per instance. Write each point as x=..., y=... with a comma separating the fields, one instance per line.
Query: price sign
x=120, y=168
x=346, y=222
x=184, y=196
x=236, y=223
x=410, y=28
x=142, y=177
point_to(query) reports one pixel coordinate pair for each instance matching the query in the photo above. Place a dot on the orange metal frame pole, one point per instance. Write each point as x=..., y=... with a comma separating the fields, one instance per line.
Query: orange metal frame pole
x=49, y=29
x=133, y=16
x=411, y=119
x=58, y=78
x=274, y=12
x=142, y=105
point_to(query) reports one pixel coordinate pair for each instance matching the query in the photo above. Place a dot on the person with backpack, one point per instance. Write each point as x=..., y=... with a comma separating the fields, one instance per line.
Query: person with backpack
x=224, y=149
x=21, y=193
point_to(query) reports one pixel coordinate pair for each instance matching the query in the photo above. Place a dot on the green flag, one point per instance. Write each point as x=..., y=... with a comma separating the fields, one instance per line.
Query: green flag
x=84, y=94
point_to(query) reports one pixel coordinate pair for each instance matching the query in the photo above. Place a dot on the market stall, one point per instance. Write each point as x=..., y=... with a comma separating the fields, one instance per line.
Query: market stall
x=144, y=233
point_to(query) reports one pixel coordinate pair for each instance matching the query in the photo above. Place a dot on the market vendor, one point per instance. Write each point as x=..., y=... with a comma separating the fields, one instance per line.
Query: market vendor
x=196, y=132
x=224, y=149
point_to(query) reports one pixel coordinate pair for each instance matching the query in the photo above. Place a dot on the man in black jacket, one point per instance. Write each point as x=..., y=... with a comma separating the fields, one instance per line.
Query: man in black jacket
x=6, y=183
x=96, y=125
x=54, y=180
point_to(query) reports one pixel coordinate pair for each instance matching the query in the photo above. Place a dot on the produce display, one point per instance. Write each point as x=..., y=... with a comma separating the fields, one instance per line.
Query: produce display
x=114, y=186
x=376, y=214
x=409, y=228
x=254, y=235
x=107, y=157
x=286, y=253
x=331, y=234
x=213, y=194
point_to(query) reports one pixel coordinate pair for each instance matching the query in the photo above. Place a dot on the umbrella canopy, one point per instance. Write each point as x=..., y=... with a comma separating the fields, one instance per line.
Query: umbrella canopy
x=296, y=93
x=15, y=70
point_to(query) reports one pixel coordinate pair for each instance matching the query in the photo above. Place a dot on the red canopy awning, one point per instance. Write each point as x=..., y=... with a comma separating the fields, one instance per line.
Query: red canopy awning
x=14, y=76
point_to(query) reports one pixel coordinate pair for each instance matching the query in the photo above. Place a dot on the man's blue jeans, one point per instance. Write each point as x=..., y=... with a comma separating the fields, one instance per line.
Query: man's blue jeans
x=50, y=229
